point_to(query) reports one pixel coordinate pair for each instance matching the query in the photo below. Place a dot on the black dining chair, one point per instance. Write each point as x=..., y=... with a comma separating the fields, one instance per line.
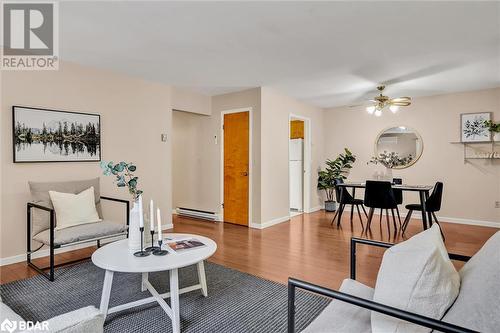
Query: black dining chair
x=345, y=198
x=398, y=195
x=379, y=194
x=432, y=205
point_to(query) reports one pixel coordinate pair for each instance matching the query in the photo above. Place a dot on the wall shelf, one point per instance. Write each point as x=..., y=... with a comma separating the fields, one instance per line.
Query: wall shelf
x=480, y=151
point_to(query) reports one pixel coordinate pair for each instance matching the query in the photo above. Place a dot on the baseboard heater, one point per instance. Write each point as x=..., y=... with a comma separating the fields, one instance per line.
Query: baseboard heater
x=196, y=213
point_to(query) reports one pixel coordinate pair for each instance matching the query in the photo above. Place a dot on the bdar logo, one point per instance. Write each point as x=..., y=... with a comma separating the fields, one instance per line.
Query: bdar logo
x=8, y=326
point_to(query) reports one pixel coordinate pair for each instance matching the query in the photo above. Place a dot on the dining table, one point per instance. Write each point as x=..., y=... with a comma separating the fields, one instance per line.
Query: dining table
x=423, y=192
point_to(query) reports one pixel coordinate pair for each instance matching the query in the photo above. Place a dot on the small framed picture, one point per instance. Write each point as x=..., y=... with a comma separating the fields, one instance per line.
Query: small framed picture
x=43, y=135
x=473, y=128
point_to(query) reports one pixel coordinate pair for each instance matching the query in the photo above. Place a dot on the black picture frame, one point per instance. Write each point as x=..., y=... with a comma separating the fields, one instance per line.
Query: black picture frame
x=92, y=149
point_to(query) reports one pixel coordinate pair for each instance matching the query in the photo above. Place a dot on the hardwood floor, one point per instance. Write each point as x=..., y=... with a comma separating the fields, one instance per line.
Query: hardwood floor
x=307, y=247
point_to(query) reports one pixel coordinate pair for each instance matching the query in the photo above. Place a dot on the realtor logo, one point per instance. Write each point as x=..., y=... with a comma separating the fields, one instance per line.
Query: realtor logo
x=30, y=36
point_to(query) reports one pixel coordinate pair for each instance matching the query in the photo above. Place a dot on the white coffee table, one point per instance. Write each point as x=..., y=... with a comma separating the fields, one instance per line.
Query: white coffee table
x=116, y=257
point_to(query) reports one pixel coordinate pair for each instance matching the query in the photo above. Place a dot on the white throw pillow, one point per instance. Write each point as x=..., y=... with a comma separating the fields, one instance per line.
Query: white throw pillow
x=417, y=276
x=74, y=209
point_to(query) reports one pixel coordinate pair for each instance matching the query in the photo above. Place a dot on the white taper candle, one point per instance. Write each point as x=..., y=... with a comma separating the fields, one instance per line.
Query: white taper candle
x=141, y=212
x=151, y=216
x=158, y=217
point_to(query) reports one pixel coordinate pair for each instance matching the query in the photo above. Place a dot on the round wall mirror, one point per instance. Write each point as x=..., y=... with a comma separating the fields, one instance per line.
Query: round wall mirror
x=398, y=147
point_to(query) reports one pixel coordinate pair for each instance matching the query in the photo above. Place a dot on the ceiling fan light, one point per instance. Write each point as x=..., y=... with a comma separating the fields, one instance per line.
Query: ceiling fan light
x=370, y=109
x=378, y=113
x=394, y=108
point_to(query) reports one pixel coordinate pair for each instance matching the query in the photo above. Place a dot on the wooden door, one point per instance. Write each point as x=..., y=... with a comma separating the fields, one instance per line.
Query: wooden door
x=236, y=167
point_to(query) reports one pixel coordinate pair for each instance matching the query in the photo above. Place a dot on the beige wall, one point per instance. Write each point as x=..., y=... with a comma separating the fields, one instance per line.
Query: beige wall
x=275, y=127
x=186, y=100
x=197, y=154
x=243, y=99
x=470, y=189
x=194, y=166
x=197, y=158
x=133, y=115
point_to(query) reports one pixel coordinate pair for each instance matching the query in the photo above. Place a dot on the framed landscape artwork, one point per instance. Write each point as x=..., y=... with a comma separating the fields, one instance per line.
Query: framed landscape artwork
x=42, y=135
x=473, y=128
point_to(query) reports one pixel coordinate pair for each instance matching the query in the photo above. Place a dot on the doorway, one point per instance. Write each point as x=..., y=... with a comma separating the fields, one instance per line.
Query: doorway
x=299, y=164
x=236, y=166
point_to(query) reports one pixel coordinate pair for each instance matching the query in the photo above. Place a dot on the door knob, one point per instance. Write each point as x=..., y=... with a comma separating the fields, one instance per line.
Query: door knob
x=244, y=174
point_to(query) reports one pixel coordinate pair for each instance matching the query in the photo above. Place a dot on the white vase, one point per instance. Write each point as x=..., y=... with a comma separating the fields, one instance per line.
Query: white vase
x=388, y=174
x=496, y=136
x=134, y=234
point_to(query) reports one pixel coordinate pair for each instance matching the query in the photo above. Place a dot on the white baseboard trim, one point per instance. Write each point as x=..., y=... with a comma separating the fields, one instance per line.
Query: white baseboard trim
x=481, y=223
x=315, y=209
x=418, y=216
x=270, y=223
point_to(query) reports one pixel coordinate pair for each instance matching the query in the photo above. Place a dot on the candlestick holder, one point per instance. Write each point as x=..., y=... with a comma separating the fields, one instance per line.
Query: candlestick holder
x=152, y=248
x=160, y=252
x=141, y=253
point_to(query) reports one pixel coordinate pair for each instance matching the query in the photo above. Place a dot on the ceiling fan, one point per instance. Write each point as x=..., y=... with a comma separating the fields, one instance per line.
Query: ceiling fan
x=381, y=102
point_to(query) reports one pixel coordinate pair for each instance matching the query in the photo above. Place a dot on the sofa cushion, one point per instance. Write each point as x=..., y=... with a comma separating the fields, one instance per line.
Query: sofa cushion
x=341, y=317
x=81, y=232
x=40, y=195
x=478, y=305
x=416, y=276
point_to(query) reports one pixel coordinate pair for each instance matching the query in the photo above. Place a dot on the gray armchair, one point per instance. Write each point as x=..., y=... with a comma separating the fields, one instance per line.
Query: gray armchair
x=476, y=308
x=42, y=219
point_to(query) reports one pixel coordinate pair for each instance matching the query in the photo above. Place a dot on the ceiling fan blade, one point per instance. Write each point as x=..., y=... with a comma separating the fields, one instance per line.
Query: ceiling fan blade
x=400, y=103
x=398, y=99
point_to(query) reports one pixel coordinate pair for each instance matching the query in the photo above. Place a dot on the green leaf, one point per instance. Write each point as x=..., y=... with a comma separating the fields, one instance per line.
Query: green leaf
x=131, y=167
x=119, y=167
x=132, y=183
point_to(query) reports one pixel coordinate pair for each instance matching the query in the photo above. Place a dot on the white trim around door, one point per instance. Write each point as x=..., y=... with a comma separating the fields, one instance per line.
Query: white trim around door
x=250, y=161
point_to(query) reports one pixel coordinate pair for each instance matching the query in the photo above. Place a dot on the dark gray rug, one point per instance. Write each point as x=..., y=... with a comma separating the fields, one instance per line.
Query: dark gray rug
x=236, y=302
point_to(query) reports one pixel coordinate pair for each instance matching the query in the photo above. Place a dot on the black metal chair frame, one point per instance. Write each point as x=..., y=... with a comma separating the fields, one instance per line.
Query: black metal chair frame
x=341, y=208
x=52, y=247
x=431, y=323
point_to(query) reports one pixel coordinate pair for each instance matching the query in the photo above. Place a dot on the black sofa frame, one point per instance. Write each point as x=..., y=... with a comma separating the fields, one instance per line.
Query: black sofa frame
x=52, y=247
x=367, y=304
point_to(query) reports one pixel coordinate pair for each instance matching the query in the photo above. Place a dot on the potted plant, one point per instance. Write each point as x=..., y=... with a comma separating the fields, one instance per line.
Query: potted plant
x=335, y=169
x=326, y=183
x=494, y=128
x=124, y=177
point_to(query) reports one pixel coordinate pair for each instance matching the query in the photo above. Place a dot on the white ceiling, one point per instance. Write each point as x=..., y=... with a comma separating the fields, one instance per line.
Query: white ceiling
x=324, y=53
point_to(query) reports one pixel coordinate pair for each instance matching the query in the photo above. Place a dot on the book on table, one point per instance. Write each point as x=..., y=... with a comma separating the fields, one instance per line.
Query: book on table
x=185, y=244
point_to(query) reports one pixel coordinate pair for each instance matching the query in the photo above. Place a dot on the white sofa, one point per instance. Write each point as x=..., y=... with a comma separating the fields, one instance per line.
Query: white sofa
x=84, y=320
x=477, y=306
